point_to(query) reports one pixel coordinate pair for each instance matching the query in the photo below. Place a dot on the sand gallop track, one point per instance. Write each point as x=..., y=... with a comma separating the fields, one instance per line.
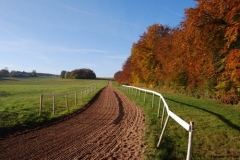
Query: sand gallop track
x=110, y=128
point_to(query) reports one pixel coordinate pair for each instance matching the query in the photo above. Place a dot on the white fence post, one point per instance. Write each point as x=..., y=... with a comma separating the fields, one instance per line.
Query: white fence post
x=139, y=93
x=66, y=99
x=40, y=106
x=152, y=99
x=75, y=98
x=159, y=106
x=163, y=130
x=81, y=94
x=190, y=140
x=162, y=116
x=186, y=126
x=53, y=104
x=145, y=96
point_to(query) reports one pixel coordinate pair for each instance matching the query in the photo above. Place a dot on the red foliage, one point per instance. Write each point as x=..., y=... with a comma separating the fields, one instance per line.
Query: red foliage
x=204, y=52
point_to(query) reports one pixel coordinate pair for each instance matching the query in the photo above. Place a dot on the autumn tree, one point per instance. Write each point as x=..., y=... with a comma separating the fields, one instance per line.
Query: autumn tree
x=201, y=55
x=118, y=77
x=143, y=55
x=214, y=26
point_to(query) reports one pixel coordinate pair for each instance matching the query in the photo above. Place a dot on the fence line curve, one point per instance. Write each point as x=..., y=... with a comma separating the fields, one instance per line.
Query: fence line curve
x=181, y=122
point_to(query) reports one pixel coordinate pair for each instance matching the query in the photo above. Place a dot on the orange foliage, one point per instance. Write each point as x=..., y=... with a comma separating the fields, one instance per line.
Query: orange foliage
x=233, y=66
x=203, y=52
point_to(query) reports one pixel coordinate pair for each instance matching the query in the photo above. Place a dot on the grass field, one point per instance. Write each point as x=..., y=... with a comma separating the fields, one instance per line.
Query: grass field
x=216, y=132
x=20, y=99
x=216, y=129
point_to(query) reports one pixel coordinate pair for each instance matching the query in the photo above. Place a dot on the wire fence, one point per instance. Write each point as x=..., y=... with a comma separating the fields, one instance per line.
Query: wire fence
x=82, y=92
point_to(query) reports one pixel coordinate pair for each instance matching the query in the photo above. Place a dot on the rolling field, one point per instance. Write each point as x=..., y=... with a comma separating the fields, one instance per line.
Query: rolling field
x=20, y=99
x=216, y=128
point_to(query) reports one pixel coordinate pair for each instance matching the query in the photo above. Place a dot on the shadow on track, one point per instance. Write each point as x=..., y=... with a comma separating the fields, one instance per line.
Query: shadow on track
x=121, y=113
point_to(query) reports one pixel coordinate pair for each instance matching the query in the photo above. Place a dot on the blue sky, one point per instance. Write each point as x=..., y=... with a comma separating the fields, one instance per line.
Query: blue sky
x=54, y=35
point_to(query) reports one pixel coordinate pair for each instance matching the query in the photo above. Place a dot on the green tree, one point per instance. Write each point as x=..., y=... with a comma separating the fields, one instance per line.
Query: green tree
x=67, y=74
x=4, y=73
x=34, y=73
x=62, y=75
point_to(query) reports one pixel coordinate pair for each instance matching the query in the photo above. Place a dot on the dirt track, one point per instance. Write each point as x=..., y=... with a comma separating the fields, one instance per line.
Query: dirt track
x=110, y=128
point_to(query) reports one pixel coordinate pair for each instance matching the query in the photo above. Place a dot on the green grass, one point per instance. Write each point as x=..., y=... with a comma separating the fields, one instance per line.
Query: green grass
x=216, y=128
x=20, y=99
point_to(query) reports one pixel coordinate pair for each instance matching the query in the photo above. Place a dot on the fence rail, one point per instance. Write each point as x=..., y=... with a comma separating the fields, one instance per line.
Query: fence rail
x=185, y=125
x=86, y=90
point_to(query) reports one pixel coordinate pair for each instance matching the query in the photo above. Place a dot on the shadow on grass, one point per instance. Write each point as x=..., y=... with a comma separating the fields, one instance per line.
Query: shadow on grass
x=8, y=79
x=222, y=118
x=102, y=78
x=167, y=148
x=29, y=123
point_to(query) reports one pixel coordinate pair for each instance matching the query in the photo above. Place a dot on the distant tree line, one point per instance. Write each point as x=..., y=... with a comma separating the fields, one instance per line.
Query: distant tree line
x=46, y=75
x=83, y=73
x=6, y=73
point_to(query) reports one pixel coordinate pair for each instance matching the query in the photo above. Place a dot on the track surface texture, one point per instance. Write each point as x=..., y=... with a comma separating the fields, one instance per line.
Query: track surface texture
x=110, y=128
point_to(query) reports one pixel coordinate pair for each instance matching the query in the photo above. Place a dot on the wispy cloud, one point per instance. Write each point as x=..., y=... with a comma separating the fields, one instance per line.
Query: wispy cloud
x=8, y=65
x=127, y=23
x=11, y=66
x=169, y=10
x=117, y=57
x=45, y=59
x=79, y=11
x=27, y=46
x=70, y=50
x=107, y=22
x=21, y=46
x=89, y=65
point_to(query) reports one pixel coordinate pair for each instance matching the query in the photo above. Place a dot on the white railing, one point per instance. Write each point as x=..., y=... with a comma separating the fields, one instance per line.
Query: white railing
x=185, y=125
x=86, y=90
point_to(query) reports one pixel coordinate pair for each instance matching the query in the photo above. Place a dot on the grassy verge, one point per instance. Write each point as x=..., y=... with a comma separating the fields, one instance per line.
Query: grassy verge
x=216, y=130
x=20, y=98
